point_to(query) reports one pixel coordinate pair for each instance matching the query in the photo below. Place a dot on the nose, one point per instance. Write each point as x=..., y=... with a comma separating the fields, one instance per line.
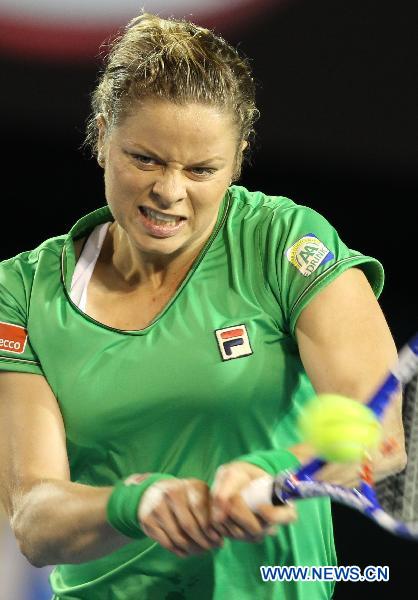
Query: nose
x=169, y=188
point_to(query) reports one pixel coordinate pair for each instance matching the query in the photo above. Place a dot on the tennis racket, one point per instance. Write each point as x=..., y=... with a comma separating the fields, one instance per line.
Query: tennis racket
x=393, y=502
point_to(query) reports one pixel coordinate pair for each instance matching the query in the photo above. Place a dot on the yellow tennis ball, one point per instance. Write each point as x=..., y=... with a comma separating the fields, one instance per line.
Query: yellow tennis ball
x=340, y=429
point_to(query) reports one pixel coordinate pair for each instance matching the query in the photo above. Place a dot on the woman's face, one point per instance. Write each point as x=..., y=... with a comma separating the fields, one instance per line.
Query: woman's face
x=167, y=168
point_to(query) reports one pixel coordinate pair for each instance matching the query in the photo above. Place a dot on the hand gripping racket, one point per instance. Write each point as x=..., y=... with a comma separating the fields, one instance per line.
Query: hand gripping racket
x=393, y=502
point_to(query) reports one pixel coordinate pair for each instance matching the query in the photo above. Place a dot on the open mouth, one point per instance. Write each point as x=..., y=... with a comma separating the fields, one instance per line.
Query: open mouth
x=159, y=224
x=159, y=218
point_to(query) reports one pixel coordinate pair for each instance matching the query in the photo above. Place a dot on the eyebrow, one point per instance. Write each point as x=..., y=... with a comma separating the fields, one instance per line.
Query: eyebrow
x=209, y=160
x=143, y=150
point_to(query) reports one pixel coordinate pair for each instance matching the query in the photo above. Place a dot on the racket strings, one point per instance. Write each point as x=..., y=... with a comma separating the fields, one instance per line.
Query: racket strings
x=398, y=494
x=411, y=434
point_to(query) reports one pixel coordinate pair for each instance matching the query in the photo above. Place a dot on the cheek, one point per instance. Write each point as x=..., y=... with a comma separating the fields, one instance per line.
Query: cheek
x=120, y=183
x=206, y=208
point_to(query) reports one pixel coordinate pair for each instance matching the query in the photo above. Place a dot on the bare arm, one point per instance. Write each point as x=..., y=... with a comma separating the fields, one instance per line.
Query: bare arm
x=346, y=348
x=54, y=520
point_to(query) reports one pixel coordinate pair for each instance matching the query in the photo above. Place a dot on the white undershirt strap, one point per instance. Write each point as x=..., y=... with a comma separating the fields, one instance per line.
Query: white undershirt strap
x=85, y=265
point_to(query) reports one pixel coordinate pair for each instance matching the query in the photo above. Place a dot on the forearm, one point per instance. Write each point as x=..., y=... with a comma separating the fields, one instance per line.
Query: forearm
x=64, y=522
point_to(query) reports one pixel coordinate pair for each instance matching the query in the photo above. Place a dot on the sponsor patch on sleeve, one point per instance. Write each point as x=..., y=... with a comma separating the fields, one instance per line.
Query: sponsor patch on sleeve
x=13, y=338
x=308, y=253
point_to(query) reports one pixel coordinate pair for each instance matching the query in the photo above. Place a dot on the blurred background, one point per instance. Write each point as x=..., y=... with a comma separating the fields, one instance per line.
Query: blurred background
x=338, y=94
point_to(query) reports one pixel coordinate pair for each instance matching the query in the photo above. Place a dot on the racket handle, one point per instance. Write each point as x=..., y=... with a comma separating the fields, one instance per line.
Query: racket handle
x=259, y=491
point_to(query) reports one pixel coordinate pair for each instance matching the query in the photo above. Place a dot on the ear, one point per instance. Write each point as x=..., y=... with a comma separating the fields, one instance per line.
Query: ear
x=102, y=130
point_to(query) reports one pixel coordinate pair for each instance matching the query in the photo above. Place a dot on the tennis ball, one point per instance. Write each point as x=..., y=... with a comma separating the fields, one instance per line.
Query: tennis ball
x=340, y=429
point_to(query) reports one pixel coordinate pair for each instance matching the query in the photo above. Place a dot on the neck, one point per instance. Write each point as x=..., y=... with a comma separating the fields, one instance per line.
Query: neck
x=143, y=269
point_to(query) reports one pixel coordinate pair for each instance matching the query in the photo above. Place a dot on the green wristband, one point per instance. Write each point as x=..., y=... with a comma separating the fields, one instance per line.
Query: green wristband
x=122, y=506
x=272, y=461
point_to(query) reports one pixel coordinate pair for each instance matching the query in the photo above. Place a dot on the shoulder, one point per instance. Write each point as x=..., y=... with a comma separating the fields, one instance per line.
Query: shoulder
x=272, y=210
x=17, y=273
x=277, y=223
x=258, y=202
x=29, y=259
x=18, y=288
x=46, y=258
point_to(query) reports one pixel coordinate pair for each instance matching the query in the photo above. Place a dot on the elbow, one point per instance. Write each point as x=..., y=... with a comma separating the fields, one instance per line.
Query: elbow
x=42, y=543
x=34, y=558
x=25, y=544
x=34, y=547
x=34, y=553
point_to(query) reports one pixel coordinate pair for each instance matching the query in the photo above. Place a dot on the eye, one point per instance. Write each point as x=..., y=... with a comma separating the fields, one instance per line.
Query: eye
x=202, y=171
x=144, y=160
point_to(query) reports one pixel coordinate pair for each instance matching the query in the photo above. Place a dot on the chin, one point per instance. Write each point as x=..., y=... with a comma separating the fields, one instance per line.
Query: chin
x=160, y=246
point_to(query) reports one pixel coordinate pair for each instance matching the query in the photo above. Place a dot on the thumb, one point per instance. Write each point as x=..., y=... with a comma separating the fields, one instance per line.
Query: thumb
x=230, y=480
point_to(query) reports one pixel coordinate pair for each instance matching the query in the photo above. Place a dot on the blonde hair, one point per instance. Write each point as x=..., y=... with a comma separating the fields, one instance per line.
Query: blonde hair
x=180, y=62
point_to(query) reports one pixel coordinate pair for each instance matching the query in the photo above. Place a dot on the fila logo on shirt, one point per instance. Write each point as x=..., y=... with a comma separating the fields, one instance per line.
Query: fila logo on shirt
x=13, y=338
x=233, y=342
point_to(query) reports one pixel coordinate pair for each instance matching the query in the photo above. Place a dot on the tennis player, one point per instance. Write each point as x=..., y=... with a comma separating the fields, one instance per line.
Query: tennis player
x=156, y=357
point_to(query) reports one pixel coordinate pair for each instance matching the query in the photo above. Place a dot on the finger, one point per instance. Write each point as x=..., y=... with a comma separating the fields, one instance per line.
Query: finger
x=277, y=514
x=199, y=501
x=220, y=529
x=156, y=510
x=233, y=529
x=271, y=530
x=231, y=479
x=228, y=482
x=230, y=532
x=185, y=518
x=240, y=520
x=242, y=516
x=230, y=529
x=163, y=518
x=158, y=534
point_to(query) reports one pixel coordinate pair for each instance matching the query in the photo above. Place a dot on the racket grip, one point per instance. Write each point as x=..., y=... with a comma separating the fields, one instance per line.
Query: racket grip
x=259, y=491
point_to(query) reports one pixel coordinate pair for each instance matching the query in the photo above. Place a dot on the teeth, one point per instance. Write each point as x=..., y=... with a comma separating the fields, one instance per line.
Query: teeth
x=160, y=217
